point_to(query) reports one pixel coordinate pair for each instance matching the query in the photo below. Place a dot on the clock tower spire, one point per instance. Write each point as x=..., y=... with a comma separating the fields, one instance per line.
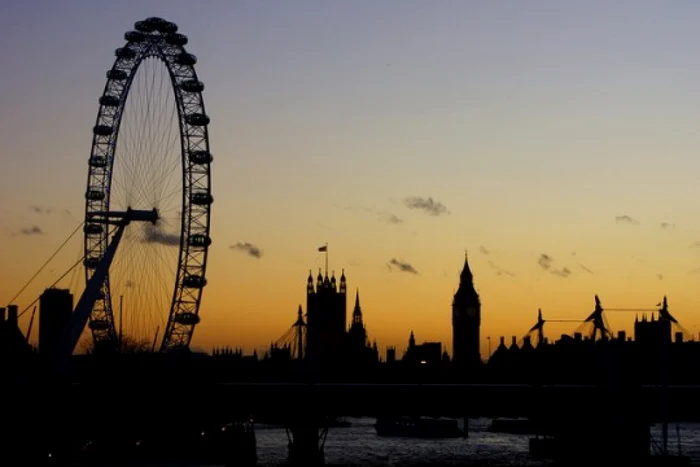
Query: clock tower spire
x=466, y=320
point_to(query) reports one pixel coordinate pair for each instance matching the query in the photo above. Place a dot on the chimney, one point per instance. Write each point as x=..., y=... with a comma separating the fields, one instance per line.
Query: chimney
x=12, y=315
x=679, y=337
x=2, y=314
x=621, y=336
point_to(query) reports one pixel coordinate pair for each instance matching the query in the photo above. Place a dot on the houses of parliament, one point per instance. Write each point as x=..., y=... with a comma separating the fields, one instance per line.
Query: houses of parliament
x=325, y=340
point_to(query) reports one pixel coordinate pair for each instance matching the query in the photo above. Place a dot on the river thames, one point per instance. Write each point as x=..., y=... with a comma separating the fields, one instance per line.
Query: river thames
x=359, y=445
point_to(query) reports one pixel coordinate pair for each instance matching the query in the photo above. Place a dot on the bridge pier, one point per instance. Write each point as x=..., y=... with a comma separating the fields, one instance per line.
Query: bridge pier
x=307, y=437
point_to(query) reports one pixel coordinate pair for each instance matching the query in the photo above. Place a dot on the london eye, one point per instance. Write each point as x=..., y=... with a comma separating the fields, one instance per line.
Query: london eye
x=150, y=161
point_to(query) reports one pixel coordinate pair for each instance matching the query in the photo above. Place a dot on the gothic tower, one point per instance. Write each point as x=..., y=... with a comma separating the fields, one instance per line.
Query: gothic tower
x=466, y=320
x=326, y=318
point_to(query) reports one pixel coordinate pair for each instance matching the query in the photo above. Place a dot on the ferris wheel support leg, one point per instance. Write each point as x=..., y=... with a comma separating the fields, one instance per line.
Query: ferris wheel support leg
x=78, y=320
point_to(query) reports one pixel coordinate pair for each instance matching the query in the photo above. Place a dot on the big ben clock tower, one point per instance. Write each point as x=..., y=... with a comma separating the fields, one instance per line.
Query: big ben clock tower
x=466, y=321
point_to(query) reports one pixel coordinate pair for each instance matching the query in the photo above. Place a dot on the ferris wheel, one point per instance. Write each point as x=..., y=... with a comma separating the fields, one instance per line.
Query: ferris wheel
x=148, y=191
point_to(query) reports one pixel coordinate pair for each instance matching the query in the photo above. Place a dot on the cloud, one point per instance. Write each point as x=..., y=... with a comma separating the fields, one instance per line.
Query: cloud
x=667, y=226
x=429, y=205
x=401, y=266
x=660, y=277
x=248, y=248
x=392, y=218
x=153, y=234
x=41, y=210
x=585, y=269
x=545, y=261
x=695, y=244
x=33, y=230
x=563, y=272
x=386, y=216
x=484, y=250
x=626, y=220
x=500, y=271
x=44, y=210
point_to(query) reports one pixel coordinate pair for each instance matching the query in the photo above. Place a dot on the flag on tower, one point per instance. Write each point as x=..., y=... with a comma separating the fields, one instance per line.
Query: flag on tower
x=323, y=248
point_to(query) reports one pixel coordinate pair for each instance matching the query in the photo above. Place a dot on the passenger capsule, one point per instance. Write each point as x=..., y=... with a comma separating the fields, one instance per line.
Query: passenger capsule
x=99, y=325
x=134, y=36
x=125, y=52
x=116, y=75
x=194, y=281
x=201, y=198
x=95, y=195
x=199, y=240
x=109, y=101
x=185, y=59
x=102, y=130
x=91, y=262
x=197, y=119
x=93, y=229
x=147, y=25
x=187, y=318
x=98, y=161
x=176, y=39
x=167, y=27
x=200, y=157
x=192, y=85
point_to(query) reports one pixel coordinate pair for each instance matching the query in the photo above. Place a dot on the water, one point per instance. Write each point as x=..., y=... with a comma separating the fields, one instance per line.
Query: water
x=359, y=445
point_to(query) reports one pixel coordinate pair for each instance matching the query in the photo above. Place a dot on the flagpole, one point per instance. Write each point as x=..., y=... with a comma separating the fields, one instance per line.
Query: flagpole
x=326, y=259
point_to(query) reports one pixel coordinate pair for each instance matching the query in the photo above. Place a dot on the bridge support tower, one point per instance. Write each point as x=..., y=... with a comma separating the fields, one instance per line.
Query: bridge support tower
x=307, y=437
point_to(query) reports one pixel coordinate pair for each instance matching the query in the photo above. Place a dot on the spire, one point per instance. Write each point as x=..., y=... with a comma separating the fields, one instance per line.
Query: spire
x=357, y=311
x=466, y=293
x=466, y=272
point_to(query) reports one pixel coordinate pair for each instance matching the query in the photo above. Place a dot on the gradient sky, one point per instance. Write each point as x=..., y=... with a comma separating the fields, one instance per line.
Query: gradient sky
x=566, y=129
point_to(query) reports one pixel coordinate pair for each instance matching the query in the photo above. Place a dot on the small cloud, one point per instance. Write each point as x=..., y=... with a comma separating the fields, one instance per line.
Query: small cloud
x=545, y=261
x=695, y=244
x=153, y=234
x=249, y=248
x=694, y=271
x=564, y=272
x=500, y=271
x=33, y=230
x=667, y=226
x=484, y=250
x=391, y=218
x=660, y=277
x=401, y=266
x=573, y=253
x=626, y=220
x=429, y=205
x=586, y=269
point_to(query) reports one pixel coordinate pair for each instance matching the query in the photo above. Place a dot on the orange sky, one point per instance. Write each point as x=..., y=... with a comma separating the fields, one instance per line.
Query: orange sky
x=565, y=131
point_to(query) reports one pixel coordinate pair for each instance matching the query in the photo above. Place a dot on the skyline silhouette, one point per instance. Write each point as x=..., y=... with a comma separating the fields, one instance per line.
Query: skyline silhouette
x=553, y=142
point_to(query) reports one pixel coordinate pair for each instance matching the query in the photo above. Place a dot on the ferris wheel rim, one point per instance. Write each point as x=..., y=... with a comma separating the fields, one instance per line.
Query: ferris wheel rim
x=159, y=39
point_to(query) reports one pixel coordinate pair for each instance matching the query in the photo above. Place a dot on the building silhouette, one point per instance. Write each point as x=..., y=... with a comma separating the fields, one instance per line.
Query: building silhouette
x=325, y=319
x=466, y=321
x=55, y=309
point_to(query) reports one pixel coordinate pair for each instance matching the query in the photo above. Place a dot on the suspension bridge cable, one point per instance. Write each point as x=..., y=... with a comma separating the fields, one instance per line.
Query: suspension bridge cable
x=46, y=263
x=55, y=282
